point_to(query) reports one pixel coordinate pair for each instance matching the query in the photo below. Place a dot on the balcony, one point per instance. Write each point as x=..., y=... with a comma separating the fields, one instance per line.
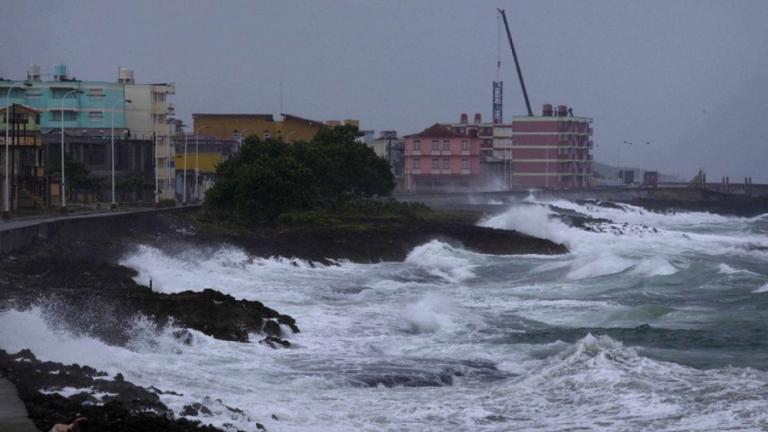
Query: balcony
x=416, y=152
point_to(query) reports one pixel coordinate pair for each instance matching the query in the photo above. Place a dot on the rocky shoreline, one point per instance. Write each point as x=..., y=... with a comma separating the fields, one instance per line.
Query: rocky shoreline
x=80, y=272
x=109, y=403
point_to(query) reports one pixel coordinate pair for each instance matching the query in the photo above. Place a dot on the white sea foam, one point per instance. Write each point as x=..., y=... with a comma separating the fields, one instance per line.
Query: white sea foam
x=600, y=265
x=428, y=314
x=728, y=270
x=762, y=289
x=448, y=312
x=441, y=259
x=655, y=266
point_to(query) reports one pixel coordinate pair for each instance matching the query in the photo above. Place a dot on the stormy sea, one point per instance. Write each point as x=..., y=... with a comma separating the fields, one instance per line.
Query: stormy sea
x=652, y=321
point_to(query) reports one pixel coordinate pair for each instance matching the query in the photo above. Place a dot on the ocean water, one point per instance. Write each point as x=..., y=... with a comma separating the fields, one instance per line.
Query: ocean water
x=651, y=322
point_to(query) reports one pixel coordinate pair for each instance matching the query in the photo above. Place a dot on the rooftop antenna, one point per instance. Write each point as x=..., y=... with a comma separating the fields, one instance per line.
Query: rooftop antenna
x=517, y=63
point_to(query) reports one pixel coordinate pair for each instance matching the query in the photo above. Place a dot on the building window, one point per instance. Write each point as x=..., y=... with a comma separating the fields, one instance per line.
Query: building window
x=464, y=145
x=416, y=163
x=435, y=163
x=96, y=116
x=465, y=163
x=435, y=145
x=446, y=163
x=68, y=115
x=34, y=93
x=446, y=145
x=158, y=97
x=416, y=145
x=96, y=92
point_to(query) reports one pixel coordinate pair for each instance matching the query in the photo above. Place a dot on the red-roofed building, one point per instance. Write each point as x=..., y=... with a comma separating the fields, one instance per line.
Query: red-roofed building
x=442, y=158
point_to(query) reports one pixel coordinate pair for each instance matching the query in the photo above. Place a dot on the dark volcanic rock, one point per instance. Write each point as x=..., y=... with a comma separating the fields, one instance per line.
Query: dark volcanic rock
x=102, y=300
x=126, y=408
x=705, y=201
x=274, y=342
x=390, y=241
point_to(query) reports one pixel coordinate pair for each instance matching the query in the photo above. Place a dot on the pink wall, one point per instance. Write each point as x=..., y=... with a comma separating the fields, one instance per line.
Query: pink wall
x=425, y=155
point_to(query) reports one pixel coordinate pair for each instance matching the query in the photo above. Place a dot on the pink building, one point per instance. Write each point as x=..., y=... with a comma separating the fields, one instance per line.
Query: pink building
x=442, y=158
x=551, y=151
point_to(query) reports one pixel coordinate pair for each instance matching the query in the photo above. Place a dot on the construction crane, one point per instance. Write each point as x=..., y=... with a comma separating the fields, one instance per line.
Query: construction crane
x=517, y=63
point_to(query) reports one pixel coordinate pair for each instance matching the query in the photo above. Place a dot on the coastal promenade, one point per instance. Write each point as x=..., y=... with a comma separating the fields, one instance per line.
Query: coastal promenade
x=19, y=233
x=13, y=414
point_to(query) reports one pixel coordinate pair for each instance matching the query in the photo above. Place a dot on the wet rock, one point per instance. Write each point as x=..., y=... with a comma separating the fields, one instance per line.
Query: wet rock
x=275, y=342
x=195, y=409
x=272, y=328
x=107, y=301
x=128, y=408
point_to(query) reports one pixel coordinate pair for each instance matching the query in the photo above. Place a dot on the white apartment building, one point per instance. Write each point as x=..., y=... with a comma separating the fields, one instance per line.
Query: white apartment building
x=148, y=117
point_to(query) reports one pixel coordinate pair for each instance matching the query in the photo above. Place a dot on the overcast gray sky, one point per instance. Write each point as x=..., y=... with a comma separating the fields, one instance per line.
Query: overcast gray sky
x=690, y=77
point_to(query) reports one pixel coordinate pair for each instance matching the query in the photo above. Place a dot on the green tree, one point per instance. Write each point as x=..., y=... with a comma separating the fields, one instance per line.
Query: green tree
x=268, y=178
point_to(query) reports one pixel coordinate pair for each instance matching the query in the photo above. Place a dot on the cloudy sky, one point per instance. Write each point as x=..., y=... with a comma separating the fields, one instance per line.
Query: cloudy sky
x=688, y=77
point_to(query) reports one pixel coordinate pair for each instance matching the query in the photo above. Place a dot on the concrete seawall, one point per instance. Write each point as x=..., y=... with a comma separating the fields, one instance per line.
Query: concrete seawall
x=683, y=195
x=17, y=235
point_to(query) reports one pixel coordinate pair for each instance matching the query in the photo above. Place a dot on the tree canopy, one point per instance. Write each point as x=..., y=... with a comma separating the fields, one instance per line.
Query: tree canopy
x=268, y=178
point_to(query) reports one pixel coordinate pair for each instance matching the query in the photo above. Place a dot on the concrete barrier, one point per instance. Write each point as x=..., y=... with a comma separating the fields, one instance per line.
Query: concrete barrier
x=25, y=233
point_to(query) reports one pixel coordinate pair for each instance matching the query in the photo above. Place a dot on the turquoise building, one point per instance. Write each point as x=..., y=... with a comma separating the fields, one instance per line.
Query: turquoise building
x=91, y=111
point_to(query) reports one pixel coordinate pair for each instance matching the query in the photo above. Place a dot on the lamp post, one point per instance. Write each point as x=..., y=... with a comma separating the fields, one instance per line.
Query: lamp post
x=184, y=179
x=197, y=161
x=114, y=202
x=7, y=191
x=63, y=177
x=169, y=122
x=185, y=169
x=157, y=179
x=155, y=121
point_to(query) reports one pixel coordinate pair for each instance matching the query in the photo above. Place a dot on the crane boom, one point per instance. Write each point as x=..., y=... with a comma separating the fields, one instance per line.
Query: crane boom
x=517, y=63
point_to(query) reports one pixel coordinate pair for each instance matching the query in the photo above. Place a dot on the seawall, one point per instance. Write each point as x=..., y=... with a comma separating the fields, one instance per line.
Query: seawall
x=660, y=198
x=20, y=234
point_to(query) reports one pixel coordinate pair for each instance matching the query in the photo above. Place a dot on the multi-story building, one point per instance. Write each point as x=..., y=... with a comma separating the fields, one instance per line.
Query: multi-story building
x=26, y=162
x=483, y=131
x=87, y=111
x=89, y=105
x=549, y=151
x=237, y=126
x=197, y=167
x=388, y=146
x=442, y=159
x=149, y=117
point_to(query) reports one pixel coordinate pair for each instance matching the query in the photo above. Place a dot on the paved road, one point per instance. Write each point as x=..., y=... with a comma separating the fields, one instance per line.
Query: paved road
x=37, y=220
x=13, y=414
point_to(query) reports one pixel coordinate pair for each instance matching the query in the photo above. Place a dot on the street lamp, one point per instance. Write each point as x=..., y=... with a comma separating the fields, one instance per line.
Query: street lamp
x=184, y=197
x=184, y=179
x=155, y=121
x=114, y=202
x=63, y=177
x=169, y=122
x=7, y=206
x=197, y=161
